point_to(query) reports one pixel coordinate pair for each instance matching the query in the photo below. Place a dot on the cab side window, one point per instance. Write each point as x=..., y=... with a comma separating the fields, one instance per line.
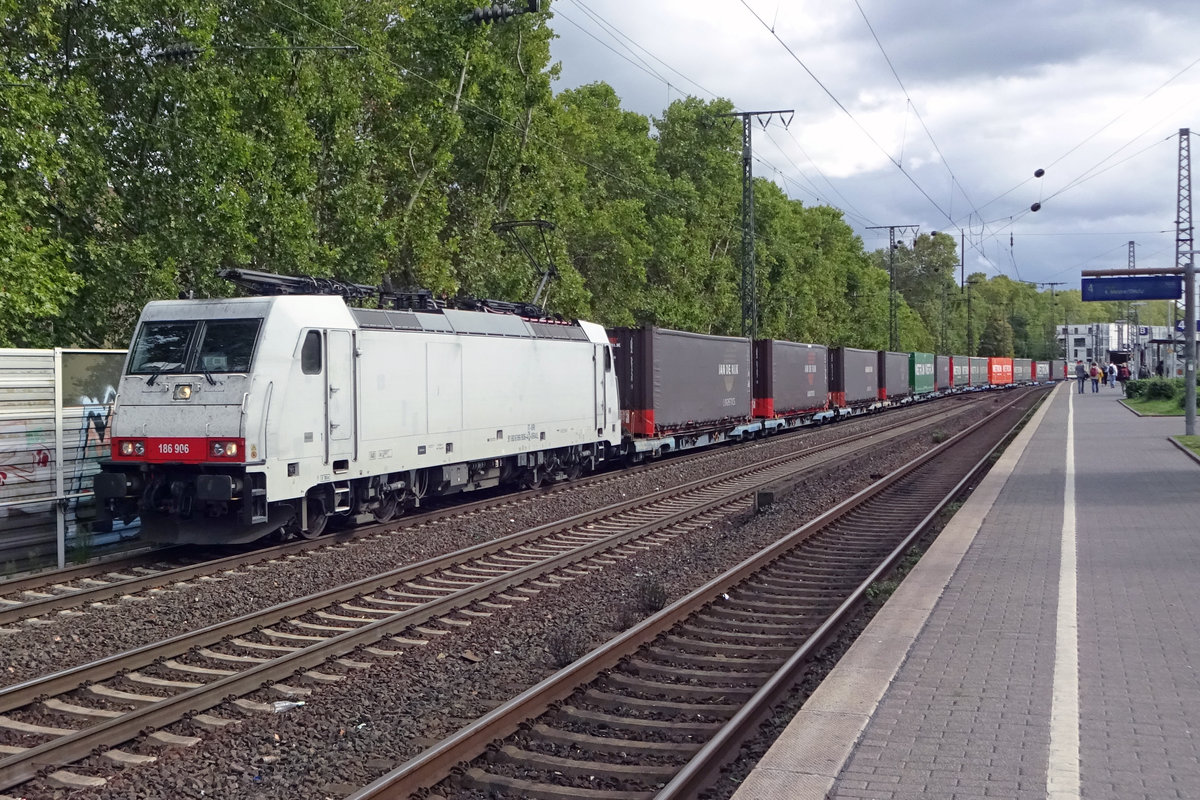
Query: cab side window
x=310, y=353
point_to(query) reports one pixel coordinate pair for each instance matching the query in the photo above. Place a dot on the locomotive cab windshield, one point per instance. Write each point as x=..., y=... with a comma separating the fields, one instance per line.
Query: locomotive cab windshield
x=204, y=346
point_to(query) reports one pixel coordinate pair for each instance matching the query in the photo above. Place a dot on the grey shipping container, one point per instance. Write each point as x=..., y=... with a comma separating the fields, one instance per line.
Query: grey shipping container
x=979, y=371
x=1058, y=369
x=853, y=376
x=962, y=370
x=941, y=380
x=1022, y=370
x=789, y=378
x=893, y=375
x=673, y=381
x=921, y=368
x=1041, y=371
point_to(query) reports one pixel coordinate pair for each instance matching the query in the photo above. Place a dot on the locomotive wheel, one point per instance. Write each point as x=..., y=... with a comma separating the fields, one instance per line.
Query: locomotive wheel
x=388, y=510
x=533, y=478
x=316, y=525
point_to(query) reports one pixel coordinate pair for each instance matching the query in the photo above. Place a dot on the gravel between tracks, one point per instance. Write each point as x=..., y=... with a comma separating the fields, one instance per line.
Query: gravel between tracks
x=349, y=733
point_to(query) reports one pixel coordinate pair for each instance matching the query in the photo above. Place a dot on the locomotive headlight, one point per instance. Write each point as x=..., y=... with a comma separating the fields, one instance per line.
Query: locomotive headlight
x=130, y=447
x=183, y=391
x=224, y=449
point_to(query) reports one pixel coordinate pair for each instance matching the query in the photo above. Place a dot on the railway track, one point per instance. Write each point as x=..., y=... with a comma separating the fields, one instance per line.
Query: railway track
x=658, y=710
x=83, y=585
x=60, y=718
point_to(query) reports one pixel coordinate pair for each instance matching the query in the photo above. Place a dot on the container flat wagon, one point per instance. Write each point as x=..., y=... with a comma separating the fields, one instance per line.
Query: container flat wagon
x=853, y=379
x=791, y=383
x=921, y=373
x=979, y=371
x=1022, y=370
x=680, y=390
x=1000, y=371
x=893, y=377
x=942, y=380
x=960, y=366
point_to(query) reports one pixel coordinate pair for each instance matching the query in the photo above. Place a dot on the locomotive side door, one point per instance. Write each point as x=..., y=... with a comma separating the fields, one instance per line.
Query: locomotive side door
x=602, y=359
x=339, y=395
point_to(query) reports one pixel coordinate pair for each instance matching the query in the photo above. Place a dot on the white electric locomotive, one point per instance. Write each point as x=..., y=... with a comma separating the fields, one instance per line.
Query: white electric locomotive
x=240, y=417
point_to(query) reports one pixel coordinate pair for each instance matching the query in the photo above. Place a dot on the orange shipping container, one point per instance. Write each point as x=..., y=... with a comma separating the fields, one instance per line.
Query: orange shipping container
x=1000, y=371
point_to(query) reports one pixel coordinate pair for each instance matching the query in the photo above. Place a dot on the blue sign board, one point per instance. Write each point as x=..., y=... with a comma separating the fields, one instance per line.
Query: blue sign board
x=1134, y=287
x=1179, y=325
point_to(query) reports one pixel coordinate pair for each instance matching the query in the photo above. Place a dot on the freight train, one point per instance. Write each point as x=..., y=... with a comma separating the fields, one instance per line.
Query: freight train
x=277, y=413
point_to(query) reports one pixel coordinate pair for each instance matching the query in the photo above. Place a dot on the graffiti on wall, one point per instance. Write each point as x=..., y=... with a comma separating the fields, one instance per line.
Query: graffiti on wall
x=86, y=392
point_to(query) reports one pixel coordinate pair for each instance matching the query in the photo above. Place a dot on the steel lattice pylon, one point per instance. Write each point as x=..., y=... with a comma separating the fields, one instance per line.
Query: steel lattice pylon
x=1185, y=259
x=749, y=281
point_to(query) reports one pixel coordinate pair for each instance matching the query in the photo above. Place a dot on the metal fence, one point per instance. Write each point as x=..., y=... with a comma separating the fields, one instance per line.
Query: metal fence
x=55, y=408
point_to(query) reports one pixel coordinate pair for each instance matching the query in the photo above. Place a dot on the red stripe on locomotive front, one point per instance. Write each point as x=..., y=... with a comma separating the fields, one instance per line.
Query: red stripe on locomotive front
x=178, y=450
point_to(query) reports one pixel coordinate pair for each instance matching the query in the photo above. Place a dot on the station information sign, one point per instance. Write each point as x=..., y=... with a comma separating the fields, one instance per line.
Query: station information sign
x=1134, y=287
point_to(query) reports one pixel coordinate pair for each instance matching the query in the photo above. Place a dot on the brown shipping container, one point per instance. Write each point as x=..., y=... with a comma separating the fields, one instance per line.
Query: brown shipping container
x=893, y=375
x=853, y=376
x=789, y=378
x=673, y=381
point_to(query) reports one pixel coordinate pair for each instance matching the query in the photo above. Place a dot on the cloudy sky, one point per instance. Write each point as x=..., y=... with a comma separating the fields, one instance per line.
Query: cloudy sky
x=935, y=113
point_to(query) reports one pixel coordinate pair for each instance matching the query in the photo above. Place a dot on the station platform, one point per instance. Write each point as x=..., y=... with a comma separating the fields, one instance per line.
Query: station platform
x=1046, y=646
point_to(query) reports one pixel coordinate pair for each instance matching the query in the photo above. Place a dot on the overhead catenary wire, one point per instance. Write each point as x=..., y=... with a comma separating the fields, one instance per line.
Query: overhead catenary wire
x=899, y=166
x=1100, y=130
x=671, y=201
x=916, y=111
x=847, y=207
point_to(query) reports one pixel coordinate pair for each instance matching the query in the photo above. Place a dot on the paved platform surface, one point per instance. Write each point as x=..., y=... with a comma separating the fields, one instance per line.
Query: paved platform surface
x=1047, y=645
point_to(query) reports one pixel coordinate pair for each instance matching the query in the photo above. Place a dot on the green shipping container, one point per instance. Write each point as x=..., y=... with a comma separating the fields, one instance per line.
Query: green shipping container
x=920, y=372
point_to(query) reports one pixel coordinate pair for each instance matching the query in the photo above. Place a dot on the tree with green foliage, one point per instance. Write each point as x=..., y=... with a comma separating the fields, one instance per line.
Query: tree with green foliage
x=144, y=147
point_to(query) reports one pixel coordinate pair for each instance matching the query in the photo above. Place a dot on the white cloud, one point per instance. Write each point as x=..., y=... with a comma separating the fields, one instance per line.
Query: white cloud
x=1003, y=88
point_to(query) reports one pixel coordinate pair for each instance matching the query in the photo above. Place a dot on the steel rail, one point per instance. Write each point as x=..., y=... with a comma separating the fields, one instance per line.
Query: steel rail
x=17, y=695
x=25, y=765
x=432, y=765
x=102, y=566
x=723, y=747
x=82, y=596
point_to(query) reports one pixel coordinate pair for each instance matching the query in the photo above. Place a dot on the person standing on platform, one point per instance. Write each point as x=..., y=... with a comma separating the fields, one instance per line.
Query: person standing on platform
x=1112, y=376
x=1158, y=370
x=1080, y=374
x=1123, y=376
x=1094, y=373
